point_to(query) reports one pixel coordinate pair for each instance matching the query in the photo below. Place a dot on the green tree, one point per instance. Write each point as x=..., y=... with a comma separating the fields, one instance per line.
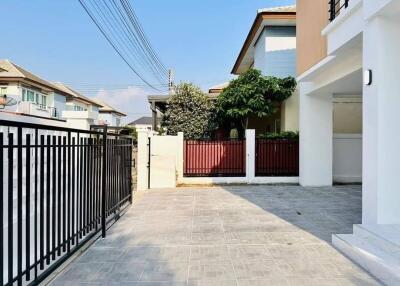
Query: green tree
x=252, y=94
x=190, y=111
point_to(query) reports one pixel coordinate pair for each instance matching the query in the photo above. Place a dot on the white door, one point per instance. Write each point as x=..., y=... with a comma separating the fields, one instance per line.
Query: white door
x=163, y=153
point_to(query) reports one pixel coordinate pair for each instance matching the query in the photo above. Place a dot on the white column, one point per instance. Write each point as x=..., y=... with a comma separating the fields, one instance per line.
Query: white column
x=381, y=123
x=316, y=132
x=142, y=160
x=250, y=155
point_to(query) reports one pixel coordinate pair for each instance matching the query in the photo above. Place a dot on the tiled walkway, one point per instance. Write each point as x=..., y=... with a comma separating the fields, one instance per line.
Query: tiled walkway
x=242, y=236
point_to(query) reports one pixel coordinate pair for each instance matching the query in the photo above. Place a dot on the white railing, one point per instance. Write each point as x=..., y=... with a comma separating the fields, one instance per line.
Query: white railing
x=36, y=109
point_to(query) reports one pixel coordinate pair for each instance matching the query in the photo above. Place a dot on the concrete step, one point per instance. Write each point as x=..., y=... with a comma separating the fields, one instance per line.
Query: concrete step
x=382, y=264
x=384, y=237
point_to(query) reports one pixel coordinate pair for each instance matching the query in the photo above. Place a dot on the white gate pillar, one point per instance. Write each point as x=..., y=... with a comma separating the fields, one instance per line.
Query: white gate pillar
x=316, y=132
x=142, y=160
x=250, y=155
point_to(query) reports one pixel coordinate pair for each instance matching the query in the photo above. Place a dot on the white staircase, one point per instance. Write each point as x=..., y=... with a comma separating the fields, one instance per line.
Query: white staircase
x=375, y=248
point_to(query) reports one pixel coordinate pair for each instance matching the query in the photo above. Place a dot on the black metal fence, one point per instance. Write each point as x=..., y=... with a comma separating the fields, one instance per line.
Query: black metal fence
x=336, y=7
x=59, y=187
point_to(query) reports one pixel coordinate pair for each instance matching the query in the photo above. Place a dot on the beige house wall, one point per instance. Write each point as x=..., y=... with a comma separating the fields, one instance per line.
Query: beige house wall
x=290, y=113
x=312, y=17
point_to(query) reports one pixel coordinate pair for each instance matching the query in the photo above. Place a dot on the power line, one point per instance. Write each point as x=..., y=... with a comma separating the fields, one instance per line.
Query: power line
x=130, y=47
x=131, y=38
x=135, y=21
x=128, y=24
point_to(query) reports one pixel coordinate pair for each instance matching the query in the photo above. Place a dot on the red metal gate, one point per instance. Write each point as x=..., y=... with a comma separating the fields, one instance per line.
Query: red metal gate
x=277, y=157
x=215, y=158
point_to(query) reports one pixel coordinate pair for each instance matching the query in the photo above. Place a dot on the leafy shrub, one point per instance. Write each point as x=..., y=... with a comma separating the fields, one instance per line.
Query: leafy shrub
x=189, y=111
x=288, y=135
x=234, y=134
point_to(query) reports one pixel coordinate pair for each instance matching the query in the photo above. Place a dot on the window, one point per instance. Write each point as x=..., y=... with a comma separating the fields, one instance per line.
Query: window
x=3, y=90
x=78, y=108
x=34, y=97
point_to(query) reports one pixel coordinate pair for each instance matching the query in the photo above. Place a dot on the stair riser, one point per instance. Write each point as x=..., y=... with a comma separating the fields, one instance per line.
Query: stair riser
x=376, y=240
x=386, y=274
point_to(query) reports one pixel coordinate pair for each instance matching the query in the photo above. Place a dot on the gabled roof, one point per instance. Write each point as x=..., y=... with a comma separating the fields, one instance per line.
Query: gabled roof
x=9, y=70
x=144, y=120
x=106, y=108
x=277, y=16
x=76, y=95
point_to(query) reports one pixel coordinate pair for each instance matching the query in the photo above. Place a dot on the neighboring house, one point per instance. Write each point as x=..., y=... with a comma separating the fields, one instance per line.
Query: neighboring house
x=351, y=54
x=271, y=47
x=109, y=115
x=81, y=111
x=144, y=123
x=34, y=95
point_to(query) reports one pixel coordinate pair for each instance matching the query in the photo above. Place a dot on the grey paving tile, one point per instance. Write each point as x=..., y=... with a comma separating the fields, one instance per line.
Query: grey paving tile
x=165, y=271
x=238, y=235
x=209, y=253
x=212, y=271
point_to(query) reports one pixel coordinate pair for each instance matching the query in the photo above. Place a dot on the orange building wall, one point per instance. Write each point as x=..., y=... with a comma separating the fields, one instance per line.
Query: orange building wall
x=312, y=17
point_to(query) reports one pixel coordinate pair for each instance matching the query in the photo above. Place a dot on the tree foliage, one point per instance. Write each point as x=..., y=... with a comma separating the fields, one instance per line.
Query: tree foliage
x=189, y=111
x=253, y=94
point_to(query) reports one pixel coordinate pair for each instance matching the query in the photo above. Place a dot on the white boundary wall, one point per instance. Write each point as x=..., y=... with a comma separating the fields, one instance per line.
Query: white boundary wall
x=347, y=158
x=168, y=165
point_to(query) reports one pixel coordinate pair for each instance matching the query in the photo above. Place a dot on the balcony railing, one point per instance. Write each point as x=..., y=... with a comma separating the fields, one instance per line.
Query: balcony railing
x=37, y=109
x=336, y=7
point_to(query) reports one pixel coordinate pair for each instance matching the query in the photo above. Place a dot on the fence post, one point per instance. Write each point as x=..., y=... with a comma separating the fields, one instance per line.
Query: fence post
x=179, y=157
x=250, y=155
x=104, y=183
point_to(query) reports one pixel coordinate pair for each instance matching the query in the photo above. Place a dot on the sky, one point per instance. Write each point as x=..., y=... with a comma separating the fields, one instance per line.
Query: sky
x=198, y=40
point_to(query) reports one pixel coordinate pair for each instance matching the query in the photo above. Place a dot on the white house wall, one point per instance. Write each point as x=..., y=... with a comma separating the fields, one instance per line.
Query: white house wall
x=347, y=158
x=275, y=51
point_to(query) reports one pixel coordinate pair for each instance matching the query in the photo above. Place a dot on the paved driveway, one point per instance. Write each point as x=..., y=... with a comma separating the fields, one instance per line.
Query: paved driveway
x=242, y=236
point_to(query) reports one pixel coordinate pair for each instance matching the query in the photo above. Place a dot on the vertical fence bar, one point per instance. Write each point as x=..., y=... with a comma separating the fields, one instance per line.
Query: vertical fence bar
x=81, y=188
x=1, y=209
x=103, y=189
x=48, y=177
x=41, y=203
x=64, y=193
x=59, y=192
x=54, y=196
x=332, y=9
x=10, y=206
x=85, y=188
x=36, y=202
x=69, y=194
x=19, y=205
x=73, y=206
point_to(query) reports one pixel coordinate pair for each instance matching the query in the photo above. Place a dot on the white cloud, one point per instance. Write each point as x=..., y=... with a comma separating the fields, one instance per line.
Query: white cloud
x=132, y=101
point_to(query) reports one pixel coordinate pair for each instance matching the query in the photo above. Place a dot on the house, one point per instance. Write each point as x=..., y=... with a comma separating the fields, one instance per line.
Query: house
x=81, y=111
x=40, y=98
x=144, y=123
x=109, y=115
x=34, y=95
x=348, y=54
x=270, y=46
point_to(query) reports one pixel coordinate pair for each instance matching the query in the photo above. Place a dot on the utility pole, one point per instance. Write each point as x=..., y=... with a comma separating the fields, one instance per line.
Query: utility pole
x=171, y=81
